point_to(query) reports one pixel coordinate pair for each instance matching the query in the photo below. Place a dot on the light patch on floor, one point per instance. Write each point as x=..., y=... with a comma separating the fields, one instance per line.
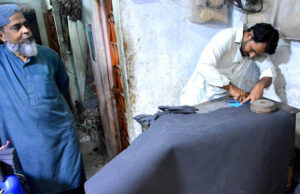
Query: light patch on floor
x=93, y=158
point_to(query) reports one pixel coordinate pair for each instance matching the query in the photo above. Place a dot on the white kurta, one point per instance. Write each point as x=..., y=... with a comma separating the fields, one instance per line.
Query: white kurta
x=221, y=63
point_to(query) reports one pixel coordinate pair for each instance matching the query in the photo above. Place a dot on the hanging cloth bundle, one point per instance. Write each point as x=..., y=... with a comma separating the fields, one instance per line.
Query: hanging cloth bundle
x=71, y=8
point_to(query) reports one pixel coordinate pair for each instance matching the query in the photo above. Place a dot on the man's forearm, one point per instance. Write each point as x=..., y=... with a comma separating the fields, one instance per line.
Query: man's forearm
x=237, y=93
x=258, y=90
x=228, y=87
x=265, y=82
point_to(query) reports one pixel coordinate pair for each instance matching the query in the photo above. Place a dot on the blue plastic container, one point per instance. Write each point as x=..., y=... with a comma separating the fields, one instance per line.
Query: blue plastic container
x=12, y=185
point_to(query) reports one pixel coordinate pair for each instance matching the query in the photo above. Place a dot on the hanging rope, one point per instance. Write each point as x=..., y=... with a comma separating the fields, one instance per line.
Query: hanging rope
x=117, y=88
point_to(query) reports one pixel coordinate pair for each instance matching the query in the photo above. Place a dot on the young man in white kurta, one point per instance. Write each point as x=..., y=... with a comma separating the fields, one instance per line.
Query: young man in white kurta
x=222, y=65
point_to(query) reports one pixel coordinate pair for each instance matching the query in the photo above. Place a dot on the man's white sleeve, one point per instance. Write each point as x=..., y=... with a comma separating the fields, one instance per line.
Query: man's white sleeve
x=210, y=57
x=266, y=67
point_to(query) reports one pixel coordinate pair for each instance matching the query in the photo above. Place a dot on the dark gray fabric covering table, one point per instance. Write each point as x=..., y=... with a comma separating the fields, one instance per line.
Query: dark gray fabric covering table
x=231, y=150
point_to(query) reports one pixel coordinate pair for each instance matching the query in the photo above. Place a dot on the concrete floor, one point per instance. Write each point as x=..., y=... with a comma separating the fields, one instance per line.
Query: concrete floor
x=93, y=158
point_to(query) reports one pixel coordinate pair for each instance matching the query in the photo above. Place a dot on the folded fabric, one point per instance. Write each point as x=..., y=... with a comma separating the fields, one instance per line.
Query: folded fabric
x=185, y=109
x=146, y=120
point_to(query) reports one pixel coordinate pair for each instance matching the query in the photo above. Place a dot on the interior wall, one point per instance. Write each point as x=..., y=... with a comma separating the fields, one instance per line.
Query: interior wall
x=287, y=82
x=161, y=49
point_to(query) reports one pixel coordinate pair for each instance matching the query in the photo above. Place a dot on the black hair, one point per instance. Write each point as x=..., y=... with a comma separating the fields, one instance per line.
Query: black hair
x=263, y=32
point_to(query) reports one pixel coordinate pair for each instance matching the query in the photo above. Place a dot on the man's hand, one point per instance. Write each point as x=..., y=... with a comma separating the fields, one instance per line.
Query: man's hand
x=258, y=90
x=256, y=93
x=237, y=93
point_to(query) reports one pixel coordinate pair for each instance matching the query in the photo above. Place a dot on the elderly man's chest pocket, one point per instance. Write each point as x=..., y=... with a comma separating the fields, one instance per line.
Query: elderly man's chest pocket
x=45, y=86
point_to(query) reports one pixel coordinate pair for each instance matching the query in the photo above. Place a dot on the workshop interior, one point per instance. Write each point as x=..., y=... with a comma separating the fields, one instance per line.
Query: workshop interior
x=128, y=62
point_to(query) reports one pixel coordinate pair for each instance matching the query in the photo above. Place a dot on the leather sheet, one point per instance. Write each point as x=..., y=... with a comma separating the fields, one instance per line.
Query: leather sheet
x=231, y=150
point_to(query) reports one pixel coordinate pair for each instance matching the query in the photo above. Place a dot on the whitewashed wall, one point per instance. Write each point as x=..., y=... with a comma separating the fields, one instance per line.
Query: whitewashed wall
x=162, y=47
x=161, y=50
x=287, y=83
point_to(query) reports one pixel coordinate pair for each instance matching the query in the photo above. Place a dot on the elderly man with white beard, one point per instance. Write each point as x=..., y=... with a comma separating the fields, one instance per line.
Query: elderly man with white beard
x=34, y=114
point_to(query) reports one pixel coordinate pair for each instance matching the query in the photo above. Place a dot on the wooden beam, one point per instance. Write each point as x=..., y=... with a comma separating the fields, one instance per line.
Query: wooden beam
x=103, y=78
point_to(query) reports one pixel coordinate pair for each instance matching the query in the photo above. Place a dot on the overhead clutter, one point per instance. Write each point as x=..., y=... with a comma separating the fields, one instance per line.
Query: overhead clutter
x=248, y=6
x=71, y=8
x=207, y=11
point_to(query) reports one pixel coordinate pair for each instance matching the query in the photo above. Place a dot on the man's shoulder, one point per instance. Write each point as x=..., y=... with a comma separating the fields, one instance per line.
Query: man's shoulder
x=47, y=54
x=46, y=51
x=2, y=46
x=228, y=32
x=224, y=37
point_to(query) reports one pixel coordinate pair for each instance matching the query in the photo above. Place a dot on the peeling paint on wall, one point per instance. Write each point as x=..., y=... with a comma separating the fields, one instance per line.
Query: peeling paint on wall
x=131, y=82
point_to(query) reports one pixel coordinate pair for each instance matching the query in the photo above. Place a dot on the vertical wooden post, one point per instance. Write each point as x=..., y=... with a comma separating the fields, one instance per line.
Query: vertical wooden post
x=104, y=81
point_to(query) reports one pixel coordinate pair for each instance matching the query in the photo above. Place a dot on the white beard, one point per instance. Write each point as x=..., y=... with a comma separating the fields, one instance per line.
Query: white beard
x=27, y=49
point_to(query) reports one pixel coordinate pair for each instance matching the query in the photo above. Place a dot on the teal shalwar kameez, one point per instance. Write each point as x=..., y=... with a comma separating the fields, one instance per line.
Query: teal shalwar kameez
x=36, y=118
